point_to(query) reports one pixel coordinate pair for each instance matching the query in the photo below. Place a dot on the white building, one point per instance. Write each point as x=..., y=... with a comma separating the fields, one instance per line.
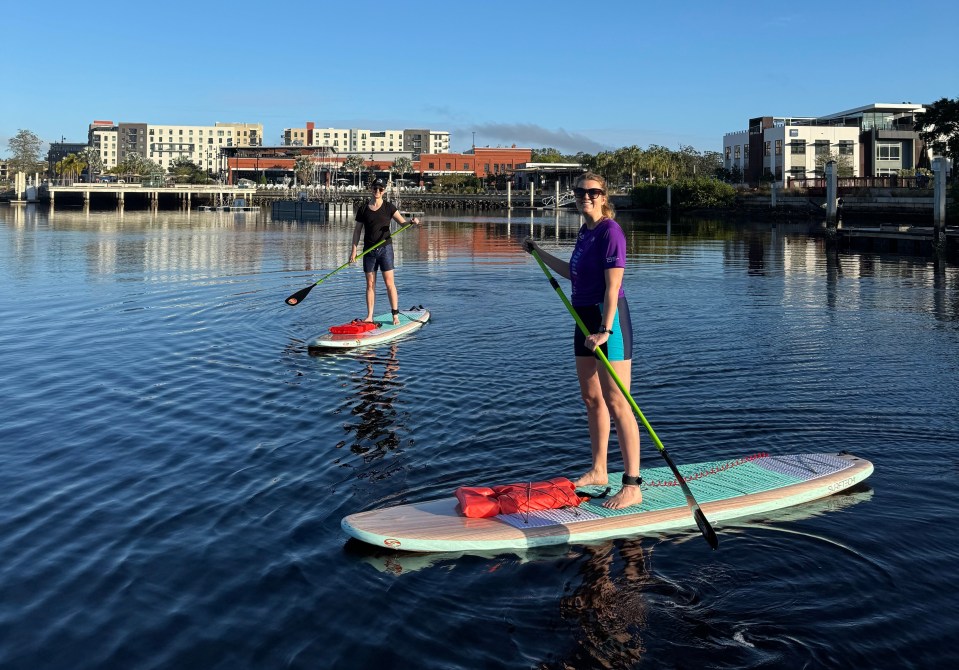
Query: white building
x=365, y=140
x=164, y=144
x=874, y=140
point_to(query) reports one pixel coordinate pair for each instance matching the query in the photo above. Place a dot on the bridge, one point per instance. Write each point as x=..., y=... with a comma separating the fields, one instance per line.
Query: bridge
x=551, y=201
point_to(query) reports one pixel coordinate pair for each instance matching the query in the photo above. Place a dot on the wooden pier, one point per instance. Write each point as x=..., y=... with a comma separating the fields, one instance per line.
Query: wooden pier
x=118, y=194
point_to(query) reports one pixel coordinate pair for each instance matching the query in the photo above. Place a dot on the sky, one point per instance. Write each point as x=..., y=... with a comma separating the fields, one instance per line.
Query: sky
x=574, y=76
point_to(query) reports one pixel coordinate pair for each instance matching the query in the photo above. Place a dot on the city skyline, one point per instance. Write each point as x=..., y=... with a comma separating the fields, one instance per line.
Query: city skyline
x=572, y=77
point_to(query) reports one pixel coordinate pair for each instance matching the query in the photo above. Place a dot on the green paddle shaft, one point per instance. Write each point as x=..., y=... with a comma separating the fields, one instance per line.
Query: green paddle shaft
x=701, y=521
x=300, y=295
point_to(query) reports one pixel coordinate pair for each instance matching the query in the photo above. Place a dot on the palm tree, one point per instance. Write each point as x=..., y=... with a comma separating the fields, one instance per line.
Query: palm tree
x=94, y=163
x=402, y=166
x=353, y=164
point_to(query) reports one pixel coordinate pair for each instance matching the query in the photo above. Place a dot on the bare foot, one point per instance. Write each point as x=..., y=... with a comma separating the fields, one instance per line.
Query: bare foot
x=396, y=320
x=627, y=497
x=592, y=478
x=368, y=319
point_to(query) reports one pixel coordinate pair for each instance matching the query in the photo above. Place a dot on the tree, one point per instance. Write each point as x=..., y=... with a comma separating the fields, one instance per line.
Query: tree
x=402, y=166
x=185, y=171
x=843, y=164
x=93, y=162
x=353, y=163
x=938, y=127
x=25, y=146
x=303, y=168
x=547, y=155
x=70, y=165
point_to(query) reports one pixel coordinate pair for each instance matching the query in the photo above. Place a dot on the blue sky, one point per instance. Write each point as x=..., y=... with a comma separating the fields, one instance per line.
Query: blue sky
x=570, y=75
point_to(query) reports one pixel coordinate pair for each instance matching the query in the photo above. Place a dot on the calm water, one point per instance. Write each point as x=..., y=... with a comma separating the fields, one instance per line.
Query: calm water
x=175, y=464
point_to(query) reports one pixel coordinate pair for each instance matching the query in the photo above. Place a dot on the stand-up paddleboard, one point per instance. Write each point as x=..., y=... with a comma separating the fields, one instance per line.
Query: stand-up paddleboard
x=384, y=331
x=724, y=489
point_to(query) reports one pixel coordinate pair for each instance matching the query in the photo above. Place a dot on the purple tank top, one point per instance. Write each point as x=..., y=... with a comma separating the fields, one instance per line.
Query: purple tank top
x=596, y=250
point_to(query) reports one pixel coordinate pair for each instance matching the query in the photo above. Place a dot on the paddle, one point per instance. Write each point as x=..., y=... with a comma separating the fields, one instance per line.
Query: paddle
x=705, y=528
x=300, y=295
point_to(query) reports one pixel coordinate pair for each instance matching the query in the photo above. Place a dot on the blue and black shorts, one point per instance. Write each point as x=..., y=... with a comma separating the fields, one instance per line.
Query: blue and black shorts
x=380, y=259
x=619, y=346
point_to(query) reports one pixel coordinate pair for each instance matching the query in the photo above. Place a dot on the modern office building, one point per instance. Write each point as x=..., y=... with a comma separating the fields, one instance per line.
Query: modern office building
x=872, y=141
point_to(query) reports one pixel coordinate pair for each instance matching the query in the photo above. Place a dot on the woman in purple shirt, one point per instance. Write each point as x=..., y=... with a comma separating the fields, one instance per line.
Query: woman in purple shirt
x=596, y=271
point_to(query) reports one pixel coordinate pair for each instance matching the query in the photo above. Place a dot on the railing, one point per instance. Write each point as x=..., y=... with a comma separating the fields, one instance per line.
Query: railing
x=889, y=181
x=564, y=199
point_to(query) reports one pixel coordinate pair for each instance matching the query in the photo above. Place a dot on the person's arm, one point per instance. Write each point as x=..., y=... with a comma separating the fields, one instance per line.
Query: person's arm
x=356, y=240
x=558, y=266
x=400, y=220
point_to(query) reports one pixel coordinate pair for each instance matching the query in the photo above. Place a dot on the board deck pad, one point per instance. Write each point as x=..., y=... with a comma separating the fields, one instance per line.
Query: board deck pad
x=724, y=490
x=410, y=320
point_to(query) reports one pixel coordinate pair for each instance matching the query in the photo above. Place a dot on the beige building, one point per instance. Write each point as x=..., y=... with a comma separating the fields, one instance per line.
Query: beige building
x=164, y=143
x=365, y=140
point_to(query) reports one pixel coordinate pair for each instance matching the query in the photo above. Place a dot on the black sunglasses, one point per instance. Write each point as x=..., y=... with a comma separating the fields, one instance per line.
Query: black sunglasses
x=593, y=193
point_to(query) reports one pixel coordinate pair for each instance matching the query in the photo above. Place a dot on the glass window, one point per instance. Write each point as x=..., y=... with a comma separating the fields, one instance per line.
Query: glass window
x=797, y=147
x=766, y=147
x=887, y=151
x=779, y=147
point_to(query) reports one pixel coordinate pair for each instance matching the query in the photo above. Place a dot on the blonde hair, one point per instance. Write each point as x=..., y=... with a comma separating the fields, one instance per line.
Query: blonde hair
x=608, y=211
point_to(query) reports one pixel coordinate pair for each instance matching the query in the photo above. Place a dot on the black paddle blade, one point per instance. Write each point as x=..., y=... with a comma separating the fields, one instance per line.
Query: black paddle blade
x=299, y=296
x=705, y=528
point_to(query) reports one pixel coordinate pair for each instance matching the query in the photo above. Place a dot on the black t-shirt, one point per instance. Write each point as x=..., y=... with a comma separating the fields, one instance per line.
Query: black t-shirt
x=376, y=223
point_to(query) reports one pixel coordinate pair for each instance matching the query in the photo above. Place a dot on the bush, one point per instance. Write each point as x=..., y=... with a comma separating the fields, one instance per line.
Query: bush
x=694, y=193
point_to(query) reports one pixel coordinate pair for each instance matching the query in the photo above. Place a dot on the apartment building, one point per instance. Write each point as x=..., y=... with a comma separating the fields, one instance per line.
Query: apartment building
x=164, y=143
x=874, y=140
x=365, y=140
x=103, y=136
x=424, y=141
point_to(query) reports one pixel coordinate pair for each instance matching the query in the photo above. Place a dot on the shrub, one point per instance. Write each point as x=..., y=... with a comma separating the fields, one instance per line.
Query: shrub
x=693, y=193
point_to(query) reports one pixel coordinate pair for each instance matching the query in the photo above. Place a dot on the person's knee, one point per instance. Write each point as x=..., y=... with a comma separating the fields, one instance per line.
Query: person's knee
x=592, y=400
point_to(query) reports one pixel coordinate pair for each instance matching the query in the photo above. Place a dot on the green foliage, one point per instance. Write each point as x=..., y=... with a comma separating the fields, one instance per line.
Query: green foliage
x=549, y=155
x=402, y=166
x=938, y=127
x=185, y=171
x=303, y=167
x=25, y=146
x=843, y=162
x=687, y=194
x=455, y=183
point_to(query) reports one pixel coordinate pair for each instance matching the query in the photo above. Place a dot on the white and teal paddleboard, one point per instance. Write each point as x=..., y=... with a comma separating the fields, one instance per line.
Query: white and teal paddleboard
x=410, y=320
x=724, y=490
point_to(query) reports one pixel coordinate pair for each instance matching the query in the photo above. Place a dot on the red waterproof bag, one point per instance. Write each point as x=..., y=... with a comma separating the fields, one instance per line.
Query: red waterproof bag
x=352, y=328
x=554, y=493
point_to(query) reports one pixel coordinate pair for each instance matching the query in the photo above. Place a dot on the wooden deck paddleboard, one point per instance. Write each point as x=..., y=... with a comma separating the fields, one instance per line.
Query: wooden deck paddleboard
x=410, y=320
x=724, y=490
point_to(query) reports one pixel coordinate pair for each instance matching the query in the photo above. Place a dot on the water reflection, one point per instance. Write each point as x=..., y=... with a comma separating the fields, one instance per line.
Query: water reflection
x=375, y=425
x=608, y=611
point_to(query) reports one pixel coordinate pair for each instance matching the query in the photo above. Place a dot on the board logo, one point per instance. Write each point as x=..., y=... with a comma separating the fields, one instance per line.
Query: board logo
x=391, y=543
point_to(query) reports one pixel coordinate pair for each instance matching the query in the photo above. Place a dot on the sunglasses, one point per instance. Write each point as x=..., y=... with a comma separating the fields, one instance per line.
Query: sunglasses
x=378, y=188
x=593, y=193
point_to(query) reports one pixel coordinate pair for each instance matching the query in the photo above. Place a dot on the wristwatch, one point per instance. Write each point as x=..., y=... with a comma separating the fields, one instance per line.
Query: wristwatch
x=603, y=329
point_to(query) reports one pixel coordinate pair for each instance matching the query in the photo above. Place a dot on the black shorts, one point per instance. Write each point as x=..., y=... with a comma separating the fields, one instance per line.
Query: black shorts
x=380, y=259
x=619, y=346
